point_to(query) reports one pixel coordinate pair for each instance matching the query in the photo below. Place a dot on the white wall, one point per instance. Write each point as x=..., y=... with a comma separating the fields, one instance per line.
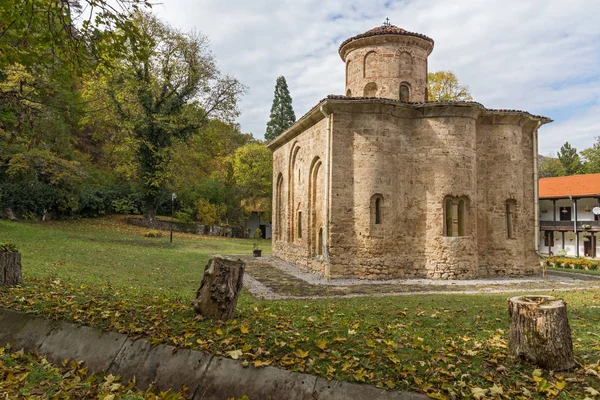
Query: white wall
x=570, y=245
x=582, y=215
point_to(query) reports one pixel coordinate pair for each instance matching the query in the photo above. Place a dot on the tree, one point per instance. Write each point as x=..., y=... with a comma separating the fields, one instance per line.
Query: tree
x=444, y=86
x=253, y=170
x=166, y=90
x=592, y=158
x=569, y=159
x=282, y=113
x=550, y=167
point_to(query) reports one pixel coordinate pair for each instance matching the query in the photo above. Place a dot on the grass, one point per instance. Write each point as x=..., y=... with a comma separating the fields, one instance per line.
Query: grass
x=108, y=250
x=448, y=346
x=575, y=271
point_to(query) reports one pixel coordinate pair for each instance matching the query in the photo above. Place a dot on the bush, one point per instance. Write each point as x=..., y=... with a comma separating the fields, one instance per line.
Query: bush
x=8, y=247
x=28, y=198
x=153, y=234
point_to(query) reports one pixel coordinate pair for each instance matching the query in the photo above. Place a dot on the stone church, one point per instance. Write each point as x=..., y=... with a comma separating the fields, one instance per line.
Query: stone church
x=381, y=183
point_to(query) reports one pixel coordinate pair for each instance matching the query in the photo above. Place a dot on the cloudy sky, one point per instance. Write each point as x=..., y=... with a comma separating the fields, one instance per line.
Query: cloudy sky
x=542, y=56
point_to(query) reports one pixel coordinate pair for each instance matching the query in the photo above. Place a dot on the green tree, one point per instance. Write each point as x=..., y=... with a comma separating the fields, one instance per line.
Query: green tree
x=550, y=167
x=569, y=159
x=166, y=90
x=253, y=171
x=592, y=158
x=444, y=86
x=282, y=112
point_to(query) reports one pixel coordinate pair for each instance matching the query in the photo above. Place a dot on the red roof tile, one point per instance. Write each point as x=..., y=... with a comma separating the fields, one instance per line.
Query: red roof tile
x=574, y=185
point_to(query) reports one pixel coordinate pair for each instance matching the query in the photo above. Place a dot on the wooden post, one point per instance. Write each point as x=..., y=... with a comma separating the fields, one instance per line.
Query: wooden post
x=10, y=268
x=220, y=288
x=540, y=332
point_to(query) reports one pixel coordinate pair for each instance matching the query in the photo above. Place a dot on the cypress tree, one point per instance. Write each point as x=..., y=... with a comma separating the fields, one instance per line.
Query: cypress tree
x=282, y=113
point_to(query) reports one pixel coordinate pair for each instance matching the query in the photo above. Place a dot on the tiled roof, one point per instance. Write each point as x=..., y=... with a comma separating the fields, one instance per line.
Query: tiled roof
x=385, y=30
x=574, y=185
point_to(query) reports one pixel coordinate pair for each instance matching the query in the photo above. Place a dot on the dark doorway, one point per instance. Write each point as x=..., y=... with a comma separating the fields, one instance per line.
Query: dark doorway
x=263, y=230
x=565, y=213
x=589, y=246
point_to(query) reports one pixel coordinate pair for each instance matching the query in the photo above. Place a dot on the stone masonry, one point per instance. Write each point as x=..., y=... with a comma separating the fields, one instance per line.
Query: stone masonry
x=381, y=184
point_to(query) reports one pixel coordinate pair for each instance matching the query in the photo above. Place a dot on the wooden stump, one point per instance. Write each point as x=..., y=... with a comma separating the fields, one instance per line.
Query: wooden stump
x=220, y=287
x=540, y=332
x=10, y=268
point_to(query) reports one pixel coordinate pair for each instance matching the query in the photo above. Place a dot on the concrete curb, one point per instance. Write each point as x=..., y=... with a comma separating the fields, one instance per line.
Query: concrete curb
x=208, y=377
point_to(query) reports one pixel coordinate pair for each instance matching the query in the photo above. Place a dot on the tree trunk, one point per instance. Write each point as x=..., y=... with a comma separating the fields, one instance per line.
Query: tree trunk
x=10, y=268
x=540, y=332
x=220, y=288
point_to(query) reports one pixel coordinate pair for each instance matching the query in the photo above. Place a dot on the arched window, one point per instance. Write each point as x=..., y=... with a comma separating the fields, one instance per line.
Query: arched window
x=279, y=208
x=455, y=216
x=511, y=218
x=347, y=72
x=404, y=92
x=405, y=63
x=348, y=93
x=293, y=190
x=299, y=224
x=370, y=67
x=320, y=242
x=370, y=89
x=377, y=208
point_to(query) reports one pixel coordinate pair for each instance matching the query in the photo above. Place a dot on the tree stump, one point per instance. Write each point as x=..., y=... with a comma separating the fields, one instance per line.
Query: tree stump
x=220, y=288
x=10, y=268
x=540, y=332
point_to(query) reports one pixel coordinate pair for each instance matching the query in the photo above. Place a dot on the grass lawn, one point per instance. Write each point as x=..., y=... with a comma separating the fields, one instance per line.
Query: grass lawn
x=448, y=346
x=575, y=271
x=108, y=250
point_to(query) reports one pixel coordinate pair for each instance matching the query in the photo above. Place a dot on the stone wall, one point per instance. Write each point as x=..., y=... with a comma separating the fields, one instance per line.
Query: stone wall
x=412, y=159
x=377, y=68
x=187, y=227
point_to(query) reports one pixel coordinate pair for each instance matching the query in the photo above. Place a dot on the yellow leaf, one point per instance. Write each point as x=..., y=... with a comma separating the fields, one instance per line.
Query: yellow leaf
x=219, y=332
x=322, y=344
x=235, y=354
x=109, y=397
x=478, y=392
x=537, y=372
x=301, y=353
x=496, y=390
x=244, y=329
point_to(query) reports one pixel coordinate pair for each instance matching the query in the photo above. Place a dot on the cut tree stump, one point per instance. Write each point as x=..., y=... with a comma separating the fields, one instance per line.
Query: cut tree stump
x=10, y=268
x=540, y=332
x=220, y=288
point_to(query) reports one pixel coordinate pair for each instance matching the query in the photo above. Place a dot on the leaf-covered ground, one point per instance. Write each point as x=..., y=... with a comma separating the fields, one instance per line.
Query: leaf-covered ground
x=445, y=345
x=30, y=376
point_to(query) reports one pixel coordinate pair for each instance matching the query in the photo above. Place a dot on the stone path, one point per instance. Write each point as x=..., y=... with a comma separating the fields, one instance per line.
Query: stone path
x=271, y=278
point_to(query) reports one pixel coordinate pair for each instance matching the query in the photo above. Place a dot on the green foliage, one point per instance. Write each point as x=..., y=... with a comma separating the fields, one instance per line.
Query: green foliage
x=569, y=159
x=282, y=112
x=444, y=86
x=8, y=247
x=253, y=171
x=165, y=91
x=125, y=206
x=153, y=234
x=592, y=158
x=208, y=213
x=257, y=239
x=550, y=167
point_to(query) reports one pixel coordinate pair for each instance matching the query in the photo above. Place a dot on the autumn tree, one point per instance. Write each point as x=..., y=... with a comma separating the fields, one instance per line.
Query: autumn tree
x=444, y=86
x=282, y=112
x=569, y=159
x=253, y=172
x=592, y=158
x=166, y=90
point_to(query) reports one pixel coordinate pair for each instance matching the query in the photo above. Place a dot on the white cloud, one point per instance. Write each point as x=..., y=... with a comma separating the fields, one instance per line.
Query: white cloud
x=536, y=55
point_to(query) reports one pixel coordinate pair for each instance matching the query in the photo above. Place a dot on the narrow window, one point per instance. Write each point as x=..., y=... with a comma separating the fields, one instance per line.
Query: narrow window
x=348, y=93
x=320, y=242
x=378, y=210
x=404, y=92
x=511, y=216
x=299, y=224
x=448, y=208
x=461, y=217
x=549, y=238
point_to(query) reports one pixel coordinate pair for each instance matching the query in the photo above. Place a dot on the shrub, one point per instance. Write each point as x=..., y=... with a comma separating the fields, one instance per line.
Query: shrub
x=153, y=234
x=561, y=253
x=8, y=247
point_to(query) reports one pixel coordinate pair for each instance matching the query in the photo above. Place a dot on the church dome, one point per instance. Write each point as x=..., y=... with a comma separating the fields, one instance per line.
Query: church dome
x=384, y=30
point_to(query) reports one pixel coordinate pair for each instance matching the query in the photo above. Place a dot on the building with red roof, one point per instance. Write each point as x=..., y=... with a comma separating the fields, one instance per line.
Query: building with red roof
x=567, y=219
